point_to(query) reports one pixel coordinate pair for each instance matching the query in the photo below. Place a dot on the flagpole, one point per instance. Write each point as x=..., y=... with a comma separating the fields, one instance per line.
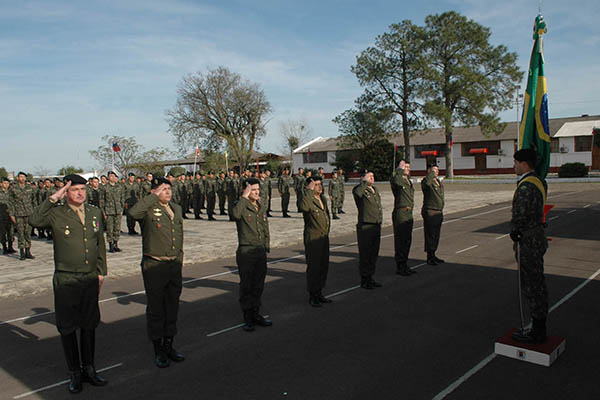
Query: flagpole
x=394, y=164
x=226, y=163
x=195, y=159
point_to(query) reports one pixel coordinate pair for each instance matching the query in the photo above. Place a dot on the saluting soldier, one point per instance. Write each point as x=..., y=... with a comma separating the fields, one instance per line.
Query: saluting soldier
x=530, y=243
x=317, y=224
x=433, y=204
x=334, y=194
x=251, y=255
x=299, y=186
x=131, y=197
x=342, y=180
x=5, y=220
x=80, y=267
x=22, y=201
x=162, y=261
x=368, y=229
x=112, y=203
x=283, y=186
x=211, y=195
x=402, y=216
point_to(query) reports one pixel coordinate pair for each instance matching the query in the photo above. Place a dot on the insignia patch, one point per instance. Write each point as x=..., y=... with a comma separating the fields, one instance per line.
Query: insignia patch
x=157, y=212
x=67, y=231
x=158, y=225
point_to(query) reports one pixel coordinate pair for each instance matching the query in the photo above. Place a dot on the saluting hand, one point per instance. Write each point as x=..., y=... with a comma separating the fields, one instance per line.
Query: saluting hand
x=157, y=191
x=246, y=192
x=311, y=185
x=60, y=193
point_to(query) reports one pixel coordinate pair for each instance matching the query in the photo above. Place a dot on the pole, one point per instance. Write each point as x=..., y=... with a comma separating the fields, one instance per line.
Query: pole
x=394, y=164
x=520, y=296
x=518, y=122
x=113, y=160
x=226, y=163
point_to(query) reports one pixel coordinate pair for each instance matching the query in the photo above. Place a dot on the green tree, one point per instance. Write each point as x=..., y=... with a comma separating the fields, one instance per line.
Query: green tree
x=391, y=72
x=219, y=108
x=69, y=169
x=378, y=158
x=214, y=161
x=346, y=160
x=465, y=79
x=177, y=171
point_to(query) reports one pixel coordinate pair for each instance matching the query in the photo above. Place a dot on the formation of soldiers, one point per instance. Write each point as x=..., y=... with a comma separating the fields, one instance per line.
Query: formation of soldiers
x=78, y=213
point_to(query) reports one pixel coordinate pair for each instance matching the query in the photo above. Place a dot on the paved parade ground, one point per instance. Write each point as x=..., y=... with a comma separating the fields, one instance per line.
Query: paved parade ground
x=430, y=335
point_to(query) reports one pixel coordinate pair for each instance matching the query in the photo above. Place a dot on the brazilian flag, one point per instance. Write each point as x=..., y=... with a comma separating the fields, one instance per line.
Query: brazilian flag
x=534, y=132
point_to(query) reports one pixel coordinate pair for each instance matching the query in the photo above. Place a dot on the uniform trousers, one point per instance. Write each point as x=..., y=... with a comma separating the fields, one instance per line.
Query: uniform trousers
x=316, y=249
x=432, y=225
x=252, y=267
x=76, y=301
x=210, y=203
x=533, y=283
x=163, y=284
x=402, y=221
x=369, y=238
x=113, y=228
x=285, y=202
x=23, y=233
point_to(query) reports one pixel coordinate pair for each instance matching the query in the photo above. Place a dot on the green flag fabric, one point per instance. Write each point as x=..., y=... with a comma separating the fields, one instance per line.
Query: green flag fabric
x=534, y=132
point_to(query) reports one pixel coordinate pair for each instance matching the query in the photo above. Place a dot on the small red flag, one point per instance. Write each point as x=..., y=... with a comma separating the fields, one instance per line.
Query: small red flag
x=116, y=147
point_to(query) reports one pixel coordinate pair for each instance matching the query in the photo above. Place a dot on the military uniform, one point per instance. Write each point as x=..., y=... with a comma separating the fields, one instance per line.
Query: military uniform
x=527, y=229
x=211, y=197
x=264, y=192
x=5, y=221
x=221, y=192
x=270, y=194
x=79, y=258
x=233, y=194
x=334, y=190
x=299, y=188
x=251, y=257
x=283, y=185
x=433, y=204
x=197, y=189
x=162, y=261
x=112, y=203
x=402, y=219
x=317, y=223
x=22, y=202
x=144, y=189
x=342, y=181
x=368, y=230
x=131, y=197
x=93, y=196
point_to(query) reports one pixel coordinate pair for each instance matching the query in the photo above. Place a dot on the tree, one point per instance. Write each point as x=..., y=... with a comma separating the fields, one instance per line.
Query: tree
x=131, y=156
x=465, y=79
x=219, y=108
x=295, y=133
x=391, y=73
x=346, y=160
x=378, y=158
x=214, y=161
x=365, y=124
x=69, y=169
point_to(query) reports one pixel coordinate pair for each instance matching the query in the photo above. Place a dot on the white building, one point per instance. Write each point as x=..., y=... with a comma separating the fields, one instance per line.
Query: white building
x=473, y=153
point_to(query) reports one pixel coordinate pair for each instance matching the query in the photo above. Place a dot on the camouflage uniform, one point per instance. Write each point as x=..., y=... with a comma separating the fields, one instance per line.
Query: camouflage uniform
x=5, y=221
x=112, y=203
x=264, y=192
x=22, y=203
x=527, y=219
x=342, y=180
x=221, y=192
x=233, y=195
x=334, y=191
x=211, y=196
x=131, y=197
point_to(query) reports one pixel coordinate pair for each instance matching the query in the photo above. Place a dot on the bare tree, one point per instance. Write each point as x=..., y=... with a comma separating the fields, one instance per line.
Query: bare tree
x=130, y=156
x=219, y=108
x=41, y=171
x=294, y=134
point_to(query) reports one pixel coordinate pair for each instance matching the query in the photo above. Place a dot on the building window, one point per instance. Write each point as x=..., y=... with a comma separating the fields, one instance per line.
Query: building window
x=492, y=147
x=554, y=145
x=314, y=157
x=440, y=148
x=583, y=143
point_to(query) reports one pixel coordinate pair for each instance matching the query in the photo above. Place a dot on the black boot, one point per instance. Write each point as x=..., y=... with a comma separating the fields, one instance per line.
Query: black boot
x=69, y=343
x=365, y=283
x=323, y=299
x=111, y=248
x=261, y=320
x=335, y=216
x=170, y=351
x=431, y=259
x=116, y=247
x=160, y=359
x=438, y=260
x=4, y=248
x=313, y=300
x=402, y=269
x=535, y=334
x=28, y=254
x=22, y=254
x=248, y=321
x=341, y=211
x=374, y=283
x=11, y=249
x=88, y=350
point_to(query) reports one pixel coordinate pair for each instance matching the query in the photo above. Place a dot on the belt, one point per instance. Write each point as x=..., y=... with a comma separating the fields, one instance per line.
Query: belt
x=404, y=208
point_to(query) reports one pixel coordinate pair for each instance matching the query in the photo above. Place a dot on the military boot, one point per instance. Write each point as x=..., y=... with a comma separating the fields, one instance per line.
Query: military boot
x=365, y=283
x=88, y=349
x=248, y=321
x=21, y=254
x=111, y=248
x=535, y=334
x=170, y=351
x=116, y=247
x=4, y=248
x=313, y=300
x=160, y=359
x=69, y=343
x=28, y=253
x=335, y=216
x=11, y=249
x=261, y=320
x=438, y=260
x=323, y=299
x=431, y=259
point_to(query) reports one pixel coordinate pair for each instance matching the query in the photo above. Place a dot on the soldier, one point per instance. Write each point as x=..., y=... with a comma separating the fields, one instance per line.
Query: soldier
x=283, y=186
x=269, y=191
x=251, y=254
x=402, y=216
x=112, y=203
x=299, y=186
x=233, y=192
x=221, y=192
x=317, y=224
x=189, y=190
x=21, y=208
x=368, y=229
x=433, y=204
x=146, y=186
x=103, y=180
x=334, y=194
x=211, y=195
x=342, y=180
x=197, y=188
x=182, y=196
x=131, y=197
x=37, y=196
x=5, y=221
x=162, y=261
x=264, y=190
x=93, y=191
x=80, y=267
x=530, y=243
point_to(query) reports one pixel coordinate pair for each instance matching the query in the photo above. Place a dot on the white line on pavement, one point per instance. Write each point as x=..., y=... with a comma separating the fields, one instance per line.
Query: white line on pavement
x=20, y=396
x=587, y=205
x=503, y=236
x=556, y=216
x=572, y=211
x=489, y=358
x=467, y=249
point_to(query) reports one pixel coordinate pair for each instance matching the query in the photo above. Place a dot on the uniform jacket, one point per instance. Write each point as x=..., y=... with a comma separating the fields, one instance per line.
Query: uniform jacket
x=528, y=206
x=317, y=221
x=334, y=188
x=77, y=247
x=112, y=199
x=252, y=224
x=161, y=237
x=433, y=194
x=5, y=212
x=368, y=204
x=21, y=200
x=284, y=183
x=404, y=192
x=131, y=193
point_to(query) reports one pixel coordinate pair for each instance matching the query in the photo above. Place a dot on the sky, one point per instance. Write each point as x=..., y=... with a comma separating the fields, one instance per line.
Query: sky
x=72, y=72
